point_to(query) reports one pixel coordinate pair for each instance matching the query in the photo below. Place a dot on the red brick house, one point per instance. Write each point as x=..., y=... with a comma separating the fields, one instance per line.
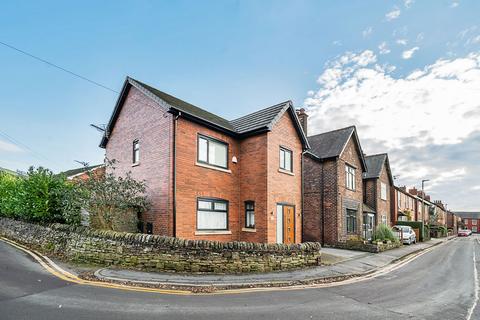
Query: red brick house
x=377, y=183
x=404, y=205
x=208, y=177
x=470, y=220
x=333, y=188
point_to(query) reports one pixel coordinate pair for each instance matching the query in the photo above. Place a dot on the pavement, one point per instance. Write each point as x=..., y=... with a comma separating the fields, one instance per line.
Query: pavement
x=442, y=283
x=350, y=264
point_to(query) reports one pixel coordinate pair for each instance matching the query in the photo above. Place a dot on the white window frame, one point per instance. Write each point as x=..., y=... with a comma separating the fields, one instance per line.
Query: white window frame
x=284, y=152
x=383, y=191
x=350, y=177
x=136, y=151
x=205, y=158
x=213, y=211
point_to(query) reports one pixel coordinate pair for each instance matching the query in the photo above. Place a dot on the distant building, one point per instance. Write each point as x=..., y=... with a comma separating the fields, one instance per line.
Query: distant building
x=84, y=172
x=471, y=219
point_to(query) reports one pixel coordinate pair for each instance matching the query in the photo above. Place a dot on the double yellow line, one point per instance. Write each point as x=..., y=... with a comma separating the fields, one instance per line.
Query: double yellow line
x=57, y=271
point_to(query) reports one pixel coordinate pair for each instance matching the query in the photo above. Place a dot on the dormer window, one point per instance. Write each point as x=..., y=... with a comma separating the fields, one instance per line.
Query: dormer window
x=136, y=152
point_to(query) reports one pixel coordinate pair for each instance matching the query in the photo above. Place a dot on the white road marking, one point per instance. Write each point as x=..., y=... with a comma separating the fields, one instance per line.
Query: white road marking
x=475, y=276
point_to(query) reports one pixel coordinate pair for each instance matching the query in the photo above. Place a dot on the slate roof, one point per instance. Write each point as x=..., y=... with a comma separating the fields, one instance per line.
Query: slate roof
x=331, y=144
x=74, y=172
x=367, y=209
x=468, y=214
x=259, y=121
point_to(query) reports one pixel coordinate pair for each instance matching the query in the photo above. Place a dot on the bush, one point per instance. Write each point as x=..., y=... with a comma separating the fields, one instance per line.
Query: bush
x=113, y=202
x=383, y=232
x=39, y=196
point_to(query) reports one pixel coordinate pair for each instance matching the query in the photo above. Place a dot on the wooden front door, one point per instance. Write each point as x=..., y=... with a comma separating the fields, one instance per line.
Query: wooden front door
x=288, y=224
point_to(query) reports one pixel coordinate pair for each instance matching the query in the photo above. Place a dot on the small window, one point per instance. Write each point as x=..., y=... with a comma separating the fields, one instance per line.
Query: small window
x=212, y=152
x=351, y=221
x=136, y=151
x=212, y=214
x=383, y=192
x=474, y=222
x=350, y=177
x=384, y=219
x=250, y=214
x=286, y=159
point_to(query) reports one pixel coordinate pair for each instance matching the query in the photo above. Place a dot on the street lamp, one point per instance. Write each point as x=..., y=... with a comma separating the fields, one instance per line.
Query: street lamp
x=423, y=197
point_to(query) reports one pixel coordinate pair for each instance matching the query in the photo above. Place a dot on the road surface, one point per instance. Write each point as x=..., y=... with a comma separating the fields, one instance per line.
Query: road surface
x=440, y=284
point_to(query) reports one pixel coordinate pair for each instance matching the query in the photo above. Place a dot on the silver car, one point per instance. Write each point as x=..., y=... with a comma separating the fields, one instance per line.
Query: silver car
x=405, y=234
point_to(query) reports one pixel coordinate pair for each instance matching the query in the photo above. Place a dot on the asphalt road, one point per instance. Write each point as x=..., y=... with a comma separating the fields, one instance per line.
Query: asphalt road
x=437, y=285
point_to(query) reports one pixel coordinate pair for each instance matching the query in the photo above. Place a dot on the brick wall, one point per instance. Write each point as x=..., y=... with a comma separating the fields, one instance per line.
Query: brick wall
x=195, y=181
x=282, y=187
x=142, y=119
x=159, y=253
x=383, y=207
x=326, y=197
x=351, y=199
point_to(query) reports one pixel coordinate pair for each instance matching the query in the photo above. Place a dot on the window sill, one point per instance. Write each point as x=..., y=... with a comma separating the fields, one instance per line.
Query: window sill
x=249, y=230
x=203, y=165
x=210, y=232
x=286, y=172
x=135, y=164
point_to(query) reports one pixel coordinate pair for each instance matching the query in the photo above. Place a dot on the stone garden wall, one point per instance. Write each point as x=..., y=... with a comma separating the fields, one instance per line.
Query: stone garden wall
x=159, y=253
x=367, y=247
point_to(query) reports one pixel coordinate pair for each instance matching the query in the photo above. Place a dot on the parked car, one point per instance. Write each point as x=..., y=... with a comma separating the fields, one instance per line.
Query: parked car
x=464, y=233
x=405, y=234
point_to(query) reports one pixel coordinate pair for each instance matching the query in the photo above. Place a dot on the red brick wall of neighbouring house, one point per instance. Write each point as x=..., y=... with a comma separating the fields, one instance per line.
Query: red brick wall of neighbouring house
x=282, y=187
x=370, y=192
x=142, y=119
x=348, y=198
x=326, y=197
x=383, y=207
x=312, y=199
x=195, y=181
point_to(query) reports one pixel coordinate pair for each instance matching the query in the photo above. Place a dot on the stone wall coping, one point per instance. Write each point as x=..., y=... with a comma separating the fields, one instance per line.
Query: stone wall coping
x=171, y=242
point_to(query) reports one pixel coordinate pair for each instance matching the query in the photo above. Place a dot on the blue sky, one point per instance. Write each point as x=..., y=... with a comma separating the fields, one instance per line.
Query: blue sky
x=234, y=57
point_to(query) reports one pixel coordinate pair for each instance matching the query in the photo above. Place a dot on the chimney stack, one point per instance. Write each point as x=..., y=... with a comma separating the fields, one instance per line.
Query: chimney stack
x=302, y=116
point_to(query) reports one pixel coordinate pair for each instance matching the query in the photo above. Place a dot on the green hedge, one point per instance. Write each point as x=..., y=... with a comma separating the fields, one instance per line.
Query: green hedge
x=416, y=225
x=39, y=196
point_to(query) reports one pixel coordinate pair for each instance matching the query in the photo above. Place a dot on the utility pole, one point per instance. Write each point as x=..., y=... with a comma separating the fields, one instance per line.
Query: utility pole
x=423, y=198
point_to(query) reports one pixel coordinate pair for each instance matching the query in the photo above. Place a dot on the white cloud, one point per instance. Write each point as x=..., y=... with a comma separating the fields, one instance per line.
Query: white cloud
x=354, y=88
x=337, y=43
x=407, y=54
x=428, y=120
x=408, y=3
x=454, y=4
x=367, y=32
x=9, y=147
x=402, y=42
x=475, y=188
x=394, y=14
x=383, y=48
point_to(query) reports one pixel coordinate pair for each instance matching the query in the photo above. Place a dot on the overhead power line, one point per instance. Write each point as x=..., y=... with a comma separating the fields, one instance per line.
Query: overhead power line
x=57, y=66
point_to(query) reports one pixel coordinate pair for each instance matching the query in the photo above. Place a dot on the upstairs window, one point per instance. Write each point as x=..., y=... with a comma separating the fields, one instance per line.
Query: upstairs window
x=286, y=159
x=250, y=214
x=383, y=191
x=136, y=152
x=212, y=152
x=212, y=214
x=350, y=177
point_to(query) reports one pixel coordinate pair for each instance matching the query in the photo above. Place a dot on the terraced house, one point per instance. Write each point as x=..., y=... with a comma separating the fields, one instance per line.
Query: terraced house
x=333, y=188
x=377, y=186
x=208, y=177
